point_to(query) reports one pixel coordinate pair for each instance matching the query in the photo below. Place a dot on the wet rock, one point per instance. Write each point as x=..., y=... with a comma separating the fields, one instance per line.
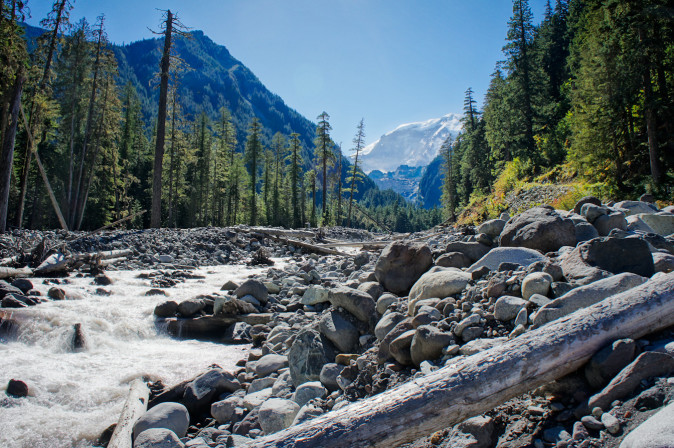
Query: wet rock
x=336, y=327
x=428, y=343
x=608, y=361
x=190, y=307
x=23, y=284
x=170, y=415
x=536, y=283
x=157, y=438
x=229, y=286
x=453, y=260
x=401, y=264
x=507, y=307
x=656, y=432
x=519, y=255
x=55, y=293
x=13, y=301
x=232, y=306
x=307, y=356
x=269, y=364
x=539, y=228
x=308, y=391
x=440, y=283
x=17, y=388
x=6, y=288
x=356, y=302
x=276, y=414
x=253, y=287
x=102, y=280
x=150, y=292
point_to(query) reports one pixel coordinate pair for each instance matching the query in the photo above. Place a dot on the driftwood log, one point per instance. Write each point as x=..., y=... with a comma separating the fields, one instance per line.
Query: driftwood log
x=478, y=383
x=134, y=408
x=15, y=272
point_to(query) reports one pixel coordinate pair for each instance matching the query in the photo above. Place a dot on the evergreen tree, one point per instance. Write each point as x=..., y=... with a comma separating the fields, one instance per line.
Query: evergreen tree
x=295, y=159
x=356, y=175
x=253, y=155
x=324, y=156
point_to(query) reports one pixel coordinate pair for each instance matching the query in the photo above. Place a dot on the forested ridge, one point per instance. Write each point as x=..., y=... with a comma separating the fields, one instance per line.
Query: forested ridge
x=587, y=95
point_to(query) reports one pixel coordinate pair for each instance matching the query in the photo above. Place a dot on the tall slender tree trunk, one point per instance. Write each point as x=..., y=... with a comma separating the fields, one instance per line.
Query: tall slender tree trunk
x=7, y=153
x=172, y=162
x=155, y=219
x=651, y=125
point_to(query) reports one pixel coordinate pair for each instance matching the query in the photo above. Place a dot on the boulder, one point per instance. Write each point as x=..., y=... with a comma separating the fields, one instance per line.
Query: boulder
x=261, y=383
x=17, y=388
x=199, y=393
x=400, y=347
x=401, y=264
x=608, y=361
x=23, y=284
x=428, y=343
x=539, y=228
x=253, y=287
x=635, y=207
x=585, y=231
x=661, y=223
x=498, y=255
x=583, y=201
x=169, y=415
x=329, y=374
x=223, y=410
x=636, y=224
x=308, y=391
x=592, y=212
x=471, y=249
x=190, y=307
x=506, y=308
x=386, y=324
x=307, y=356
x=232, y=306
x=307, y=412
x=254, y=400
x=440, y=283
x=276, y=414
x=384, y=347
x=605, y=223
x=373, y=288
x=656, y=432
x=384, y=301
x=476, y=432
x=337, y=328
x=536, y=283
x=157, y=438
x=168, y=308
x=270, y=363
x=663, y=262
x=6, y=288
x=598, y=258
x=356, y=302
x=585, y=296
x=315, y=295
x=493, y=228
x=453, y=260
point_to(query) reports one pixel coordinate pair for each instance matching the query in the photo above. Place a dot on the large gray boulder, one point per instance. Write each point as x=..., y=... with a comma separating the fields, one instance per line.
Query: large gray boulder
x=255, y=288
x=601, y=257
x=440, y=283
x=635, y=207
x=656, y=432
x=276, y=414
x=517, y=255
x=270, y=363
x=471, y=249
x=585, y=296
x=223, y=410
x=358, y=303
x=506, y=308
x=608, y=361
x=428, y=343
x=613, y=220
x=199, y=393
x=308, y=391
x=157, y=438
x=401, y=264
x=661, y=223
x=476, y=432
x=339, y=331
x=539, y=228
x=169, y=415
x=493, y=227
x=307, y=356
x=190, y=307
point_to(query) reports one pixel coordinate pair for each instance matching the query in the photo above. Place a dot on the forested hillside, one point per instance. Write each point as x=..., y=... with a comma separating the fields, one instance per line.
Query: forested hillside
x=587, y=94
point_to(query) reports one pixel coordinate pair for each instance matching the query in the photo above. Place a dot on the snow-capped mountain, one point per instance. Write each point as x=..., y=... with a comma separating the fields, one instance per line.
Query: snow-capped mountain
x=411, y=144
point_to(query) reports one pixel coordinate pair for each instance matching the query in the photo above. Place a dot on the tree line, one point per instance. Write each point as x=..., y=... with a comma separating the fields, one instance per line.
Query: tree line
x=590, y=90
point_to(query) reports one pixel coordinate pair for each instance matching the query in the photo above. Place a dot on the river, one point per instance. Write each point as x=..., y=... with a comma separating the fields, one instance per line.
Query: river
x=74, y=396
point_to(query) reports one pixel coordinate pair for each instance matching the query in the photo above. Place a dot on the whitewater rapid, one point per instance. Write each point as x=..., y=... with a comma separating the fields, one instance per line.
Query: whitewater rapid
x=74, y=396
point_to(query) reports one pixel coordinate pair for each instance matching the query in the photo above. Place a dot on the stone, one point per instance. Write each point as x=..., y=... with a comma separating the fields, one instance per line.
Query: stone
x=307, y=412
x=307, y=356
x=636, y=224
x=356, y=302
x=254, y=400
x=386, y=324
x=342, y=333
x=661, y=223
x=425, y=314
x=453, y=260
x=269, y=364
x=663, y=262
x=540, y=300
x=190, y=307
x=223, y=410
x=229, y=286
x=329, y=374
x=401, y=264
x=585, y=200
x=157, y=438
x=23, y=284
x=635, y=207
x=607, y=362
x=507, y=307
x=539, y=228
x=168, y=415
x=647, y=365
x=585, y=296
x=55, y=293
x=261, y=383
x=599, y=258
x=277, y=414
x=470, y=333
x=17, y=388
x=384, y=353
x=536, y=283
x=400, y=347
x=647, y=197
x=428, y=343
x=202, y=389
x=498, y=255
x=232, y=306
x=476, y=432
x=656, y=432
x=592, y=423
x=440, y=283
x=522, y=318
x=651, y=399
x=253, y=287
x=611, y=423
x=361, y=259
x=473, y=319
x=384, y=301
x=471, y=249
x=14, y=301
x=308, y=391
x=373, y=288
x=493, y=227
x=585, y=231
x=283, y=385
x=605, y=223
x=480, y=345
x=591, y=212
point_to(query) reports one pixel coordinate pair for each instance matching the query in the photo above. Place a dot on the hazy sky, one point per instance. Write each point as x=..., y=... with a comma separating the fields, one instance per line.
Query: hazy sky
x=387, y=61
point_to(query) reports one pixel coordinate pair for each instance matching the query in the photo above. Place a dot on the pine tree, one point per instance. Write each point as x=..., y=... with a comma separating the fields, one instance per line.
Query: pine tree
x=324, y=156
x=253, y=154
x=295, y=168
x=356, y=176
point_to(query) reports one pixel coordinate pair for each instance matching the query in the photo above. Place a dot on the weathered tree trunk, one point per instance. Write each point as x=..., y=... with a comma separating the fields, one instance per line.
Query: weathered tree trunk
x=478, y=383
x=134, y=408
x=155, y=219
x=7, y=150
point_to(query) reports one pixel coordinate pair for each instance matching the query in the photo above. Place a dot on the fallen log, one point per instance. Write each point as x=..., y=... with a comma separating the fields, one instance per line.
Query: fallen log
x=134, y=408
x=310, y=247
x=102, y=255
x=10, y=260
x=478, y=383
x=15, y=272
x=283, y=232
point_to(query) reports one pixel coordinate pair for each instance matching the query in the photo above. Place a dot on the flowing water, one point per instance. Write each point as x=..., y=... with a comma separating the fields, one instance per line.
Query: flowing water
x=74, y=396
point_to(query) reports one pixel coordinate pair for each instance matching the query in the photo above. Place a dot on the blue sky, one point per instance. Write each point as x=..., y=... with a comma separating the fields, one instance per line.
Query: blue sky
x=387, y=61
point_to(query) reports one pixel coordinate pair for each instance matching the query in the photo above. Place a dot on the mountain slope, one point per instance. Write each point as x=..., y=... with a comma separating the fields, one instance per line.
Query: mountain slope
x=411, y=144
x=430, y=186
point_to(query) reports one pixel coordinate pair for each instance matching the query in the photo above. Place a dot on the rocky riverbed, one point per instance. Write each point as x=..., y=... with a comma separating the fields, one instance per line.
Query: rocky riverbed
x=350, y=314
